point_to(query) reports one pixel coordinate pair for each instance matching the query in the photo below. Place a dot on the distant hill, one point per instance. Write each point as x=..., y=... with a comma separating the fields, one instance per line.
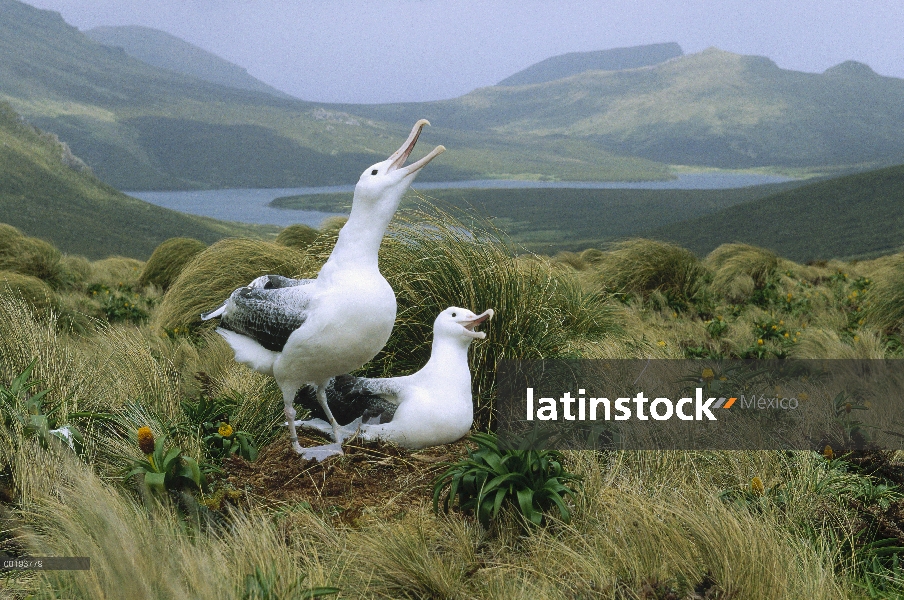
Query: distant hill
x=616, y=59
x=142, y=127
x=712, y=108
x=856, y=216
x=166, y=51
x=47, y=192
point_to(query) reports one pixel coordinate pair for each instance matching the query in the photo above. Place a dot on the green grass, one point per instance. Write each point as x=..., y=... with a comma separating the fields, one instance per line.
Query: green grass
x=548, y=220
x=783, y=525
x=855, y=216
x=49, y=194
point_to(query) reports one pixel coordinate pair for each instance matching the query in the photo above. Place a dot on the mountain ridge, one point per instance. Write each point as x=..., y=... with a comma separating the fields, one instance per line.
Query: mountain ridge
x=161, y=49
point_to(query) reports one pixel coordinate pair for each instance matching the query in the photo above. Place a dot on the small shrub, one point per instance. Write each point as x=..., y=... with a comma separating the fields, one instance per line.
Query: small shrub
x=168, y=260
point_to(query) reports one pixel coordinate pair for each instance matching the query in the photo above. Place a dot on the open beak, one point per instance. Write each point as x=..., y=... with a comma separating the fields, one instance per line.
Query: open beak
x=397, y=160
x=472, y=325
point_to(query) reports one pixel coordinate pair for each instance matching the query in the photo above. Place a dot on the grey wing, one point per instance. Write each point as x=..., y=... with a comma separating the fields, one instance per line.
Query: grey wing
x=273, y=282
x=267, y=315
x=351, y=397
x=264, y=282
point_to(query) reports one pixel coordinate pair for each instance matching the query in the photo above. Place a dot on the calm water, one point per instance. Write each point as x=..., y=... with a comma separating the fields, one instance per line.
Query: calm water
x=251, y=205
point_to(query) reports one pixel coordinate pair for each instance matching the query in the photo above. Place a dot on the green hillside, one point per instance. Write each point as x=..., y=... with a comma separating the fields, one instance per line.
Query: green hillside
x=712, y=108
x=166, y=51
x=854, y=216
x=143, y=127
x=616, y=59
x=46, y=192
x=548, y=220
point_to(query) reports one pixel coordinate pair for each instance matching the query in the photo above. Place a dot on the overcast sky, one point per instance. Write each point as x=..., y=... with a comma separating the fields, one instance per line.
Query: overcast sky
x=412, y=50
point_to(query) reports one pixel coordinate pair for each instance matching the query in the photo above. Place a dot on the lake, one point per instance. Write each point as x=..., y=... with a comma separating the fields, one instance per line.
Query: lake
x=251, y=205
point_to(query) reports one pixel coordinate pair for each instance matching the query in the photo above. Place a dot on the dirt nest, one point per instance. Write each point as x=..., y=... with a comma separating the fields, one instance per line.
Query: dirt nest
x=378, y=478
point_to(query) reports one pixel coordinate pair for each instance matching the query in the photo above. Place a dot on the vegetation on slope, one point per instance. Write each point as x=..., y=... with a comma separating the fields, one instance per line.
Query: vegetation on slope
x=644, y=524
x=853, y=216
x=547, y=220
x=711, y=108
x=49, y=193
x=131, y=122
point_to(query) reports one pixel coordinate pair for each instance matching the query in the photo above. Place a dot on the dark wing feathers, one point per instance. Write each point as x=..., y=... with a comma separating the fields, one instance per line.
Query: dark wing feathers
x=274, y=282
x=351, y=397
x=267, y=315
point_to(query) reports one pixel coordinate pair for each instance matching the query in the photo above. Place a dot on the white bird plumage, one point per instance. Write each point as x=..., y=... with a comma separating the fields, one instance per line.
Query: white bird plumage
x=305, y=331
x=431, y=407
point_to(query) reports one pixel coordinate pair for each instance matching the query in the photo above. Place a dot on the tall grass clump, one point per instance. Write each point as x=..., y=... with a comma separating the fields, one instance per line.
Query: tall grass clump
x=32, y=290
x=885, y=300
x=139, y=555
x=640, y=266
x=31, y=256
x=433, y=261
x=214, y=273
x=740, y=269
x=297, y=236
x=116, y=271
x=168, y=260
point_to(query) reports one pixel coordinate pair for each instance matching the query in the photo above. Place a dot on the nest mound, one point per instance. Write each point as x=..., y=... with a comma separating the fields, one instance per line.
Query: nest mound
x=377, y=477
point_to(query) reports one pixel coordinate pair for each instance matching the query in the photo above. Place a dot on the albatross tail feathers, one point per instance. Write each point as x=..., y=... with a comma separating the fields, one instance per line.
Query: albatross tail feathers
x=248, y=352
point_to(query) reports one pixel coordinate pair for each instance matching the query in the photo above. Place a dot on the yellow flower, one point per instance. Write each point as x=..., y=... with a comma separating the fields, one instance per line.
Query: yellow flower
x=225, y=429
x=756, y=486
x=775, y=327
x=803, y=396
x=760, y=341
x=787, y=334
x=828, y=452
x=723, y=378
x=661, y=343
x=146, y=440
x=782, y=322
x=856, y=338
x=708, y=374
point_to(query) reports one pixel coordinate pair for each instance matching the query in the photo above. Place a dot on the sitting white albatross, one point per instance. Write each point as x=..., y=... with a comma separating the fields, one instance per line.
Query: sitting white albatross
x=429, y=408
x=305, y=331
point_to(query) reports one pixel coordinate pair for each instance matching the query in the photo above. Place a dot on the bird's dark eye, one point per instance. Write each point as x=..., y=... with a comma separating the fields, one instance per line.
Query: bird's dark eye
x=374, y=172
x=453, y=314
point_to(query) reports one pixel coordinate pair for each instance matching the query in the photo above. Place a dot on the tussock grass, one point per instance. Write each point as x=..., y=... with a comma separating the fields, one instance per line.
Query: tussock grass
x=739, y=269
x=35, y=292
x=116, y=271
x=647, y=524
x=133, y=556
x=433, y=261
x=31, y=256
x=297, y=236
x=885, y=302
x=208, y=280
x=168, y=260
x=640, y=266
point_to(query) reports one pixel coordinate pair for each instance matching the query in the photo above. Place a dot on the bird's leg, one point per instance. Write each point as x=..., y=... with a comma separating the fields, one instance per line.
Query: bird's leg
x=321, y=398
x=289, y=400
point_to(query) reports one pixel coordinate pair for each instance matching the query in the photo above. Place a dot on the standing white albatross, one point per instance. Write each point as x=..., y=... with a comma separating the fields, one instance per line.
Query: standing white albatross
x=305, y=331
x=431, y=407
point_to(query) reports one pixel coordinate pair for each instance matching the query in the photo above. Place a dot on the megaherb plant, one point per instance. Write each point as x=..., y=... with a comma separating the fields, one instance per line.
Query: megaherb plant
x=165, y=469
x=490, y=478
